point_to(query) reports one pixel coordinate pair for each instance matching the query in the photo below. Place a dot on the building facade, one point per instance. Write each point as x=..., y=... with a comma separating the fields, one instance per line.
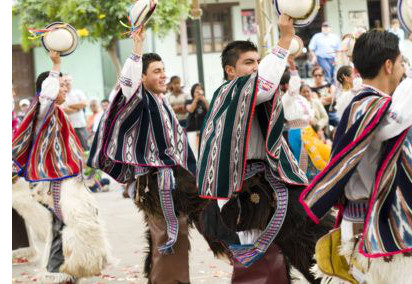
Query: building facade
x=222, y=22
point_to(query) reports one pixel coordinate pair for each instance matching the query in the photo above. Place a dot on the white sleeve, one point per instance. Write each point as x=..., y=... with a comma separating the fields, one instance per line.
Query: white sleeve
x=97, y=121
x=270, y=72
x=48, y=94
x=131, y=76
x=399, y=116
x=82, y=96
x=294, y=83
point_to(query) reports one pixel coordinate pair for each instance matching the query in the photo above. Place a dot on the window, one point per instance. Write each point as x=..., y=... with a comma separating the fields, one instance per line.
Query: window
x=216, y=28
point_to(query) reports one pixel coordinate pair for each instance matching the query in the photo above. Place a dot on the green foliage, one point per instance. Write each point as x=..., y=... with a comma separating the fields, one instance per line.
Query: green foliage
x=101, y=18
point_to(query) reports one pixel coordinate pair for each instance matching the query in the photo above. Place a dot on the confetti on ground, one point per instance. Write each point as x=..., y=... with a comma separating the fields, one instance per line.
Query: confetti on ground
x=20, y=260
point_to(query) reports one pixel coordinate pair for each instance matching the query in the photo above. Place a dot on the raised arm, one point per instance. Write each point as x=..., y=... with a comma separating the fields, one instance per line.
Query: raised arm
x=49, y=89
x=131, y=75
x=273, y=66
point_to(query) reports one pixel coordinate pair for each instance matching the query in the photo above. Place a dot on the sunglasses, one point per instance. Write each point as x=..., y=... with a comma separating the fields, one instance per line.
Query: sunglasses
x=317, y=75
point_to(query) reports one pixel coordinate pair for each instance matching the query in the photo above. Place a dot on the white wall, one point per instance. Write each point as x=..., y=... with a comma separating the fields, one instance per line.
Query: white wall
x=332, y=14
x=86, y=77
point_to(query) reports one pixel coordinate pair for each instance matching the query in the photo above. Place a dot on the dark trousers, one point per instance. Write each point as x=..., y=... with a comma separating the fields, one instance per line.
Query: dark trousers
x=56, y=257
x=19, y=232
x=82, y=134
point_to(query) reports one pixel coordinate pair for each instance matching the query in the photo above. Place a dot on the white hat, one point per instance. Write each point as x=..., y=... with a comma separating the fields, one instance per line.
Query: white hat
x=302, y=11
x=24, y=102
x=60, y=37
x=296, y=46
x=141, y=12
x=405, y=14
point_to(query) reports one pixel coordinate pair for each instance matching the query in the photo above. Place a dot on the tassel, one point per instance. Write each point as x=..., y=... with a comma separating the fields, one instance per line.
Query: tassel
x=36, y=34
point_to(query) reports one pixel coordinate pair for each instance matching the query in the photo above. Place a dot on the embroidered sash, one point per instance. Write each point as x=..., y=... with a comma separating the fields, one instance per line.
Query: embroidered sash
x=249, y=254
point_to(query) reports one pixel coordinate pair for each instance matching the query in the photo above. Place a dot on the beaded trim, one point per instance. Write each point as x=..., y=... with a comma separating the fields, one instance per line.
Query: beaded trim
x=135, y=57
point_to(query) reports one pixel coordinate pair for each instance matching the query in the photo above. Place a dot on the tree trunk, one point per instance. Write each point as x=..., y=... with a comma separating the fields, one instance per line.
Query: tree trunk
x=112, y=49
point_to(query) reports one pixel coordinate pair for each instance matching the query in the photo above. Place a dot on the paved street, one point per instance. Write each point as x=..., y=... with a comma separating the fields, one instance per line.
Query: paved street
x=125, y=230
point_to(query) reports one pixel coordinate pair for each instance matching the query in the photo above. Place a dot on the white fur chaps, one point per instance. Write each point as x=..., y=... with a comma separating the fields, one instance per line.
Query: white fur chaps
x=396, y=269
x=37, y=218
x=86, y=250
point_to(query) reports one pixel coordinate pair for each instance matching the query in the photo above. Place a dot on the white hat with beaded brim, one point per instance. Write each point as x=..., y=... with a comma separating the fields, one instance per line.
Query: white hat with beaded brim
x=405, y=14
x=60, y=37
x=141, y=12
x=302, y=11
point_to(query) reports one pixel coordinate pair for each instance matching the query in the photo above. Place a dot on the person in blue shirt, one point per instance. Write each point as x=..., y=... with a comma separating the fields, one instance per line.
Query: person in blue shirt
x=323, y=47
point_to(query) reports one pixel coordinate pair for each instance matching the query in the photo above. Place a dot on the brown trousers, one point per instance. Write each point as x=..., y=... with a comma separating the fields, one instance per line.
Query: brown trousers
x=173, y=268
x=270, y=269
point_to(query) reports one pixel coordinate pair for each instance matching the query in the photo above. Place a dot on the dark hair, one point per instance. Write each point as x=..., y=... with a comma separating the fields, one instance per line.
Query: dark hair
x=345, y=70
x=371, y=51
x=173, y=78
x=316, y=68
x=104, y=101
x=193, y=89
x=285, y=77
x=231, y=53
x=40, y=79
x=303, y=86
x=148, y=58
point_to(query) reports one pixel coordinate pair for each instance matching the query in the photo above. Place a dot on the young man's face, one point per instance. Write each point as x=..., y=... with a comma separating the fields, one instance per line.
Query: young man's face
x=397, y=72
x=176, y=86
x=61, y=97
x=155, y=78
x=68, y=82
x=247, y=64
x=105, y=105
x=94, y=107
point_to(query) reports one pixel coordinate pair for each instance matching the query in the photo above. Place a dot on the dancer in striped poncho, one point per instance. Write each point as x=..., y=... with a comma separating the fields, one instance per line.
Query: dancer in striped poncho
x=46, y=153
x=245, y=163
x=141, y=143
x=369, y=177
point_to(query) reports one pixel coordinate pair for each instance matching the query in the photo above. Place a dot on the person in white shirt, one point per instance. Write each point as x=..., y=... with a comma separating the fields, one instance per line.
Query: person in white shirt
x=345, y=77
x=242, y=218
x=75, y=104
x=177, y=99
x=311, y=152
x=323, y=47
x=369, y=176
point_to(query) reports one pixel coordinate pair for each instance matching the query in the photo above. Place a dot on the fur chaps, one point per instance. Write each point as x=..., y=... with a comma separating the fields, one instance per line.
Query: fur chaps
x=185, y=198
x=383, y=270
x=297, y=238
x=86, y=250
x=49, y=278
x=37, y=218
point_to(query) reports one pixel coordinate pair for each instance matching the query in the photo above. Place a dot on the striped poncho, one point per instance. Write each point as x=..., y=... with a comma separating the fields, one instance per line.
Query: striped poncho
x=388, y=223
x=54, y=153
x=225, y=138
x=142, y=132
